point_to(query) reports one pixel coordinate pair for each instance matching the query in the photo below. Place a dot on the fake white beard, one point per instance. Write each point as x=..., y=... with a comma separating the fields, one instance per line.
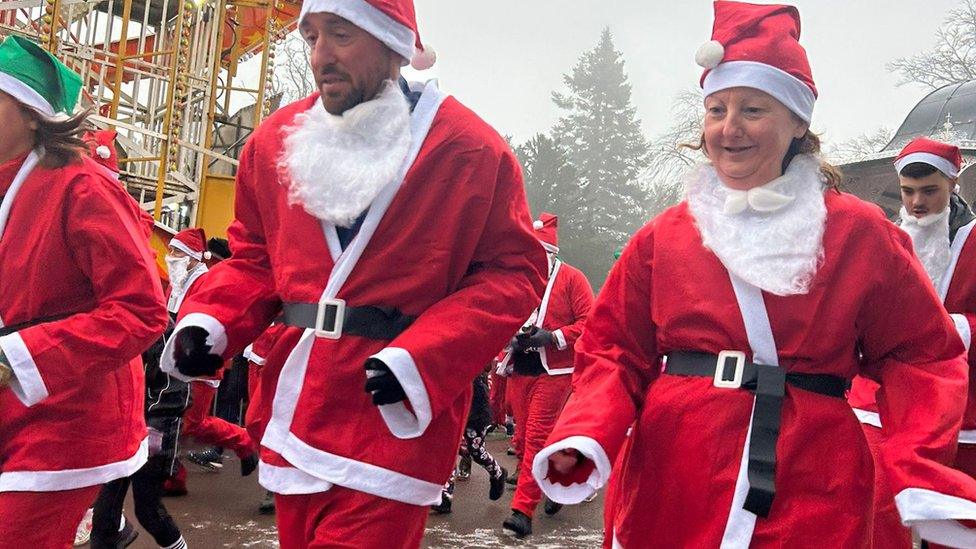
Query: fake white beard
x=777, y=251
x=930, y=238
x=335, y=166
x=180, y=279
x=178, y=270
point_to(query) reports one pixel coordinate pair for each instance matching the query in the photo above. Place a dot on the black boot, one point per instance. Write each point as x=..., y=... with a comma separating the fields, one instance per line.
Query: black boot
x=249, y=464
x=519, y=524
x=497, y=484
x=551, y=507
x=444, y=507
x=267, y=505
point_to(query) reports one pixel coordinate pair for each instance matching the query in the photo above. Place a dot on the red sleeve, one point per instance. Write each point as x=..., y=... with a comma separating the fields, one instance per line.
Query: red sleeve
x=107, y=242
x=504, y=282
x=910, y=346
x=616, y=359
x=581, y=301
x=236, y=300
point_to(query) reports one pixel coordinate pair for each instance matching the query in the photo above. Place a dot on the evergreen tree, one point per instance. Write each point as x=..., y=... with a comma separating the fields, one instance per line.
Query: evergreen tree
x=600, y=136
x=549, y=178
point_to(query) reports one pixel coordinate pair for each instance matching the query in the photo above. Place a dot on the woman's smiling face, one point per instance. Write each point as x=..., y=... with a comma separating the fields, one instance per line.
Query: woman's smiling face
x=747, y=134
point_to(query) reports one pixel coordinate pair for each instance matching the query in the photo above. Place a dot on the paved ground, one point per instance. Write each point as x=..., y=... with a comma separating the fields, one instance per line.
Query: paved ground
x=221, y=511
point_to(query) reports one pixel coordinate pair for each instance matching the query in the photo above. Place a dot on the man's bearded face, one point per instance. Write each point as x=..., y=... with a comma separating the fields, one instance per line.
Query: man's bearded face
x=349, y=64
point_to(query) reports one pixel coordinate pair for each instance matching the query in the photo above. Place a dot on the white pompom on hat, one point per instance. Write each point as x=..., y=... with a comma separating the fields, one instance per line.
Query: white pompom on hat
x=758, y=46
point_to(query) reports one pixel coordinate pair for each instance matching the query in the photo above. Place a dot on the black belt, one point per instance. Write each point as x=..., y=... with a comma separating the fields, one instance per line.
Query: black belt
x=332, y=318
x=730, y=370
x=7, y=330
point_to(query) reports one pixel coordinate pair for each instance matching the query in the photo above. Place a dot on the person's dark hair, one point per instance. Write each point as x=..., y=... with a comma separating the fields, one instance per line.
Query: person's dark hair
x=61, y=138
x=917, y=170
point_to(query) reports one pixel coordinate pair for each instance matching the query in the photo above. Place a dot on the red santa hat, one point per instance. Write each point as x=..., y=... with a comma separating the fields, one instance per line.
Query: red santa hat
x=192, y=242
x=942, y=156
x=101, y=147
x=757, y=46
x=546, y=230
x=393, y=22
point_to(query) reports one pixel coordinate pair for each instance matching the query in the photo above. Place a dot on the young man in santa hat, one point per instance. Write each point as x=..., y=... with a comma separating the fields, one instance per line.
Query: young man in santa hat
x=940, y=223
x=540, y=360
x=387, y=225
x=185, y=262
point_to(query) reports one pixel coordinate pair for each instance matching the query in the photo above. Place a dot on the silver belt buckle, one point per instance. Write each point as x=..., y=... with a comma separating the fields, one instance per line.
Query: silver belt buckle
x=740, y=366
x=340, y=315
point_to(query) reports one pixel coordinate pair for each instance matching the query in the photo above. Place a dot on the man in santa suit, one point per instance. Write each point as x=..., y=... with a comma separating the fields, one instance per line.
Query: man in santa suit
x=711, y=376
x=79, y=301
x=185, y=262
x=939, y=222
x=540, y=359
x=387, y=225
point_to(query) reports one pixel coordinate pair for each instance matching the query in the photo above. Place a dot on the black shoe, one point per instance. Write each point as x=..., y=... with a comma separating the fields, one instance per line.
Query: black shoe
x=210, y=459
x=464, y=468
x=497, y=484
x=128, y=535
x=510, y=451
x=444, y=507
x=249, y=464
x=510, y=429
x=519, y=524
x=551, y=507
x=267, y=505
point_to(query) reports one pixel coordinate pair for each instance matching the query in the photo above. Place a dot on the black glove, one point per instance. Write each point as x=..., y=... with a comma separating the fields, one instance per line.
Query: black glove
x=382, y=384
x=193, y=356
x=537, y=339
x=518, y=345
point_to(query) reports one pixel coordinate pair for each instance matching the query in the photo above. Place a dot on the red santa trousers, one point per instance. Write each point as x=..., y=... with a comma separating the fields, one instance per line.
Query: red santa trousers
x=536, y=406
x=43, y=520
x=344, y=518
x=499, y=407
x=201, y=425
x=888, y=532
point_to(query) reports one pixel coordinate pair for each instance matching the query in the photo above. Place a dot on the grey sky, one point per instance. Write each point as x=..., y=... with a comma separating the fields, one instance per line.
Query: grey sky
x=503, y=58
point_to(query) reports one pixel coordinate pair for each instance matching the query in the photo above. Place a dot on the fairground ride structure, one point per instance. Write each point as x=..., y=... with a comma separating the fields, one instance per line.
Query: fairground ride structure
x=164, y=75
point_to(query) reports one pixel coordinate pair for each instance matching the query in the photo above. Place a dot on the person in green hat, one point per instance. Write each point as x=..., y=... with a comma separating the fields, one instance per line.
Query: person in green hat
x=79, y=301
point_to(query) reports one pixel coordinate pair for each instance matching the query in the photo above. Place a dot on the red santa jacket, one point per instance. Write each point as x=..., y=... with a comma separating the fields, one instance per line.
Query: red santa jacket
x=451, y=244
x=958, y=292
x=675, y=485
x=73, y=244
x=563, y=311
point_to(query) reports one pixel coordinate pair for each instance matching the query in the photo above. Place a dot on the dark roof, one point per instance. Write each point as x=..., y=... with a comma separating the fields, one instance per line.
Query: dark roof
x=957, y=102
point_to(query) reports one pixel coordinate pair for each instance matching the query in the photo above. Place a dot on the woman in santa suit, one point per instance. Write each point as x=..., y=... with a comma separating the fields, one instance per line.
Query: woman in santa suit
x=79, y=301
x=726, y=334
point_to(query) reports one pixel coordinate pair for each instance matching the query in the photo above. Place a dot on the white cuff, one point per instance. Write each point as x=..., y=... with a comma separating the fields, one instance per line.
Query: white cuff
x=398, y=419
x=962, y=326
x=560, y=340
x=216, y=338
x=27, y=383
x=249, y=354
x=934, y=516
x=573, y=493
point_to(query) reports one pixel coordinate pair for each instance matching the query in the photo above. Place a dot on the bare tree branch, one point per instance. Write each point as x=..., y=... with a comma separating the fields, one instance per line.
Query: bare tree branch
x=952, y=60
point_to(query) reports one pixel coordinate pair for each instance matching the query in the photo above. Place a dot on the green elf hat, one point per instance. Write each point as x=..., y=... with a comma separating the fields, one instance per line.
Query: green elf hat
x=36, y=78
